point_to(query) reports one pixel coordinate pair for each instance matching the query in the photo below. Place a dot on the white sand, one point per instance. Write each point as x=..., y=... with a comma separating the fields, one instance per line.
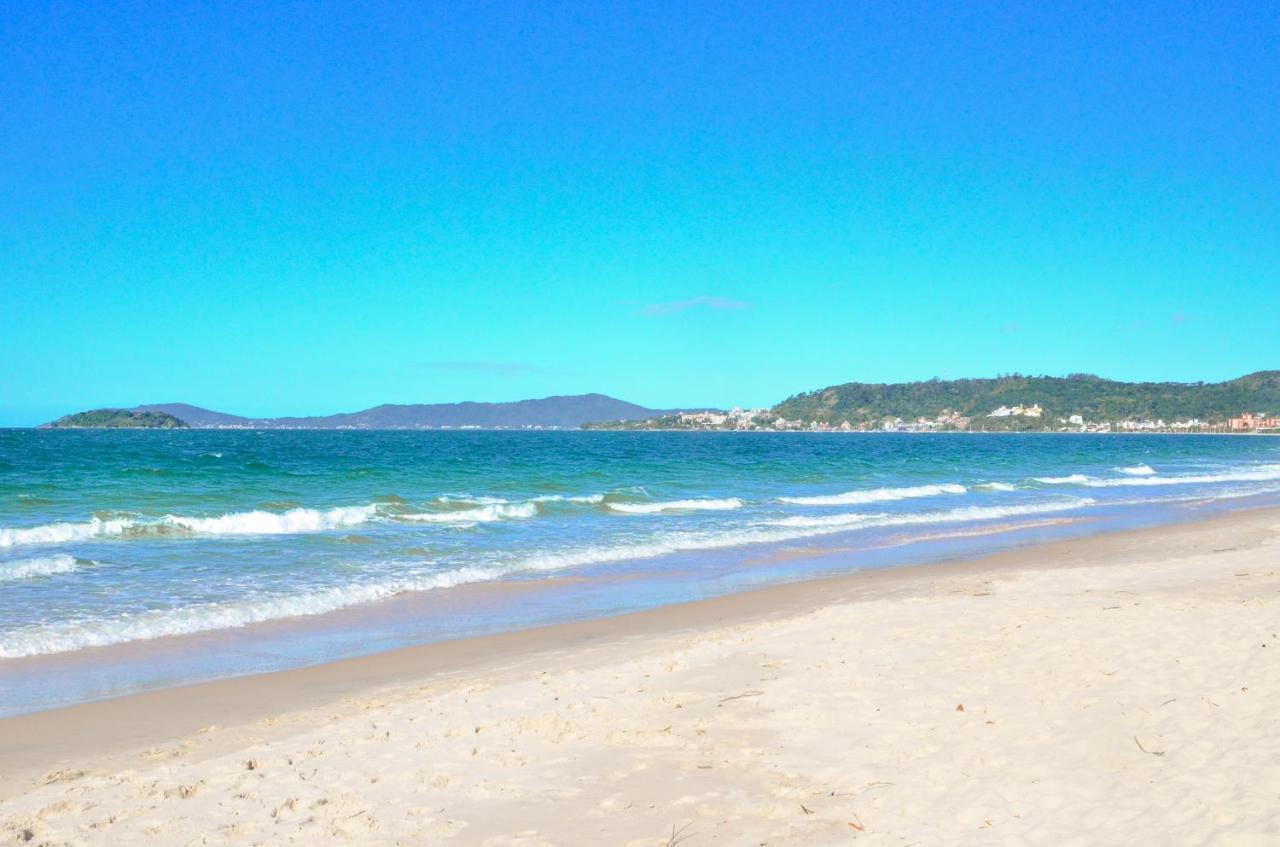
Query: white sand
x=1126, y=703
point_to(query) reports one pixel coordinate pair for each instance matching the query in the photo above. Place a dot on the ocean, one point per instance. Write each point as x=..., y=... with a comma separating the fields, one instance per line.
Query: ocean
x=139, y=559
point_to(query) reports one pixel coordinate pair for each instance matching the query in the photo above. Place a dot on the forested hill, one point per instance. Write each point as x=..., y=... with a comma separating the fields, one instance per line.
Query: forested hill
x=117, y=419
x=1090, y=396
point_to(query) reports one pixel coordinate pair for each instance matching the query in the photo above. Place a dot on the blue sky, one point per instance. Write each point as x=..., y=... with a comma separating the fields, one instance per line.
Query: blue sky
x=309, y=208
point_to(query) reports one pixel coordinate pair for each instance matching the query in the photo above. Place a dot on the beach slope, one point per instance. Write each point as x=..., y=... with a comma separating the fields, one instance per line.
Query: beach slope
x=1115, y=690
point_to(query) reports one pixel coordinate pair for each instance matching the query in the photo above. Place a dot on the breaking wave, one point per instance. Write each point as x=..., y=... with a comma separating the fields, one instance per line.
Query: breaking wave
x=997, y=486
x=711, y=505
x=1141, y=469
x=566, y=498
x=1136, y=476
x=63, y=532
x=469, y=500
x=1261, y=473
x=480, y=514
x=967, y=513
x=42, y=566
x=58, y=638
x=257, y=522
x=875, y=495
x=260, y=522
x=464, y=500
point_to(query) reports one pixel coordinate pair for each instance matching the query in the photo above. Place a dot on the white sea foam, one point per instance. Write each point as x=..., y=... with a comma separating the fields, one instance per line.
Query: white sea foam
x=452, y=500
x=62, y=532
x=997, y=486
x=712, y=505
x=1141, y=469
x=470, y=500
x=1072, y=479
x=41, y=566
x=65, y=637
x=782, y=529
x=875, y=495
x=58, y=638
x=260, y=522
x=967, y=513
x=480, y=514
x=1259, y=473
x=257, y=522
x=566, y=498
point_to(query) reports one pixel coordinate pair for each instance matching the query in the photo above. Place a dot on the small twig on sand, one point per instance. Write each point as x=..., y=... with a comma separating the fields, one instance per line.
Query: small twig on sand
x=740, y=696
x=1145, y=750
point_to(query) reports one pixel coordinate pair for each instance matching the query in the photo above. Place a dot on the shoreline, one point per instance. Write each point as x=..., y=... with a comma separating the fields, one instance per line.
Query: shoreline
x=104, y=731
x=45, y=428
x=1100, y=690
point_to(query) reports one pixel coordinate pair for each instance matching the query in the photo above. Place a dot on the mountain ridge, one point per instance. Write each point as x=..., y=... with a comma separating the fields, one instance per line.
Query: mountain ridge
x=554, y=412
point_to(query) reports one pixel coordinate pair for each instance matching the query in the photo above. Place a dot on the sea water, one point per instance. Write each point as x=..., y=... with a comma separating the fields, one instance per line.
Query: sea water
x=138, y=559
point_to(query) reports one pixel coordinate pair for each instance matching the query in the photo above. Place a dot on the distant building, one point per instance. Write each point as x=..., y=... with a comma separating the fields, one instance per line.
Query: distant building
x=1016, y=411
x=1249, y=421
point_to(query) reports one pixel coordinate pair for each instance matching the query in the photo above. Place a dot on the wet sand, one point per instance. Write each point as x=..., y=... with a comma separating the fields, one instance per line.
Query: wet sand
x=1113, y=689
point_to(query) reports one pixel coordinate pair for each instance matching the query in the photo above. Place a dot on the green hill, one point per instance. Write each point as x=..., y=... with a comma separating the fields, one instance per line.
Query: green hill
x=118, y=419
x=1090, y=396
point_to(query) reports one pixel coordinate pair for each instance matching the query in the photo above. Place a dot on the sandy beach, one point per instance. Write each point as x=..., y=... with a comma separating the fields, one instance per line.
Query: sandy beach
x=1114, y=690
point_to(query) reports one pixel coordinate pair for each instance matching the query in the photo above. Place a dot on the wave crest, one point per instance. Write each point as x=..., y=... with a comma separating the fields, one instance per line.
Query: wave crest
x=569, y=498
x=480, y=514
x=260, y=522
x=712, y=505
x=1261, y=473
x=71, y=636
x=62, y=532
x=256, y=522
x=41, y=566
x=966, y=513
x=876, y=495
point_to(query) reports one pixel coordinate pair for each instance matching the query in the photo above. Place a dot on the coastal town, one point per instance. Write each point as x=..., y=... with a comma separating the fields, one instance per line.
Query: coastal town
x=1000, y=419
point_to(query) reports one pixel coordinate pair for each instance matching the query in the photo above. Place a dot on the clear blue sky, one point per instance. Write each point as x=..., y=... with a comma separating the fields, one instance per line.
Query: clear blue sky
x=312, y=207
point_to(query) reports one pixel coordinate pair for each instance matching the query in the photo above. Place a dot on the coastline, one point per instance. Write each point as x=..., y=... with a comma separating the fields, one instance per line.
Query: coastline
x=201, y=725
x=49, y=428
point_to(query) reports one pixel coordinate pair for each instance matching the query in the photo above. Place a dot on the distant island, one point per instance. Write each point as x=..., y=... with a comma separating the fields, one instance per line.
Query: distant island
x=1014, y=403
x=117, y=419
x=562, y=412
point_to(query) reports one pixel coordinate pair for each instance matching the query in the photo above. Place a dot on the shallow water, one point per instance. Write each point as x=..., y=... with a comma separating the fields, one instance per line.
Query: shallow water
x=269, y=549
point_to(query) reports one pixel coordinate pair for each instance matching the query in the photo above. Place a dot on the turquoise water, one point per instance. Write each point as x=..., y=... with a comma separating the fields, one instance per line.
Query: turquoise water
x=132, y=559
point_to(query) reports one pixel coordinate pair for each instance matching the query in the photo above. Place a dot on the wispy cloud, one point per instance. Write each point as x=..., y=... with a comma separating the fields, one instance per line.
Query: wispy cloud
x=703, y=302
x=495, y=368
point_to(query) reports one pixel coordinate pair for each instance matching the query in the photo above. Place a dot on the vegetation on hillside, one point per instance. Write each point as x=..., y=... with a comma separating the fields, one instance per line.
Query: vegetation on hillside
x=1090, y=396
x=118, y=419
